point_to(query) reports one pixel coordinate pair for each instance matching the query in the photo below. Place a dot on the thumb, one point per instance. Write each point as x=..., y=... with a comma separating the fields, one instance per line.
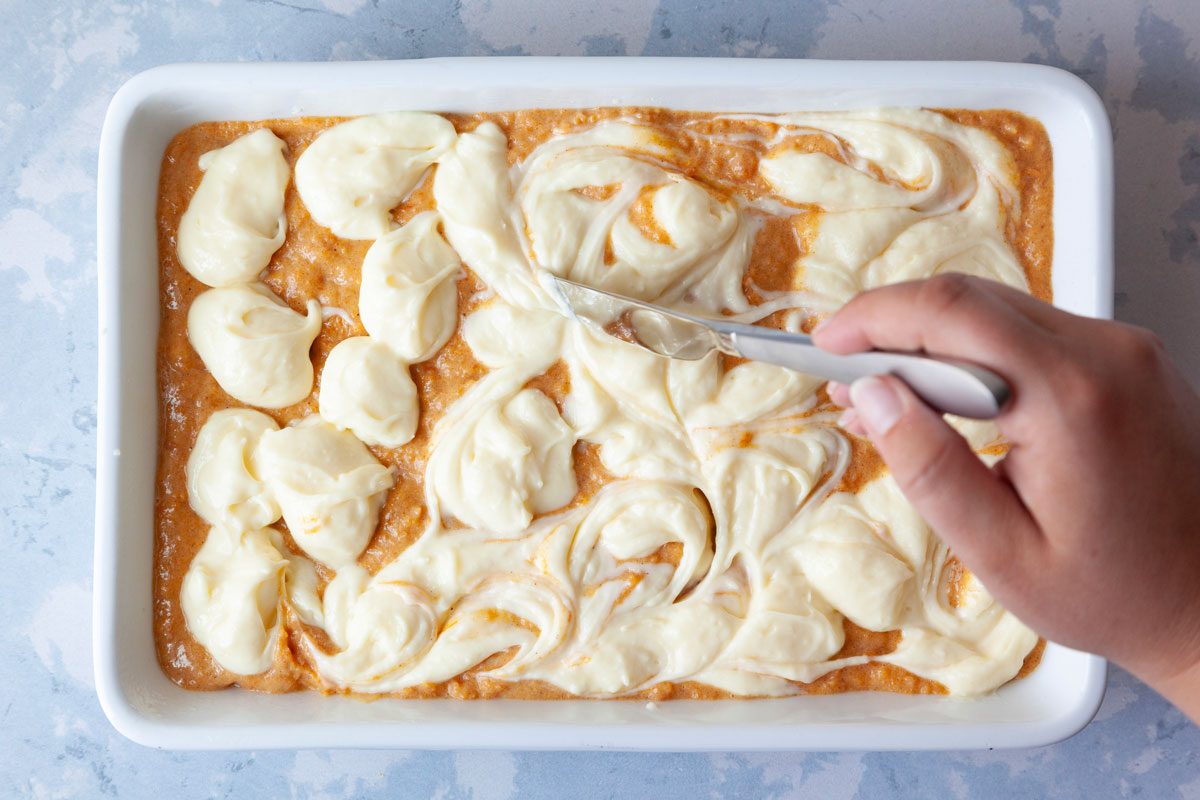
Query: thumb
x=965, y=502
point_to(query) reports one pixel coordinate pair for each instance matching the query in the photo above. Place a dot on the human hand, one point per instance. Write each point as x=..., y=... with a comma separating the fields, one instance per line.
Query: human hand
x=1088, y=529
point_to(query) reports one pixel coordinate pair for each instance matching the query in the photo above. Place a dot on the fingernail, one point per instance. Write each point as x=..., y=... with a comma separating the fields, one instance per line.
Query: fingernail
x=877, y=404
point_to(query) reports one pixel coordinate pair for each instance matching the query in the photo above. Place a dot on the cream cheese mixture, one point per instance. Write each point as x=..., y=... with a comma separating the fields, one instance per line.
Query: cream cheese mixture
x=479, y=493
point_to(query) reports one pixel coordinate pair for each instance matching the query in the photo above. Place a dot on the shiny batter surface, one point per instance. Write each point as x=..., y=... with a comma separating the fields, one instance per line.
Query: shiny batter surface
x=313, y=263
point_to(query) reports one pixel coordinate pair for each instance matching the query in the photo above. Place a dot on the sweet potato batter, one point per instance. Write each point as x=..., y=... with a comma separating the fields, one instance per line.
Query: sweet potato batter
x=314, y=263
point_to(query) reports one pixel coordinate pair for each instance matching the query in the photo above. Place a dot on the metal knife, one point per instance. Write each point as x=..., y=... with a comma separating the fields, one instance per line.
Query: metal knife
x=947, y=385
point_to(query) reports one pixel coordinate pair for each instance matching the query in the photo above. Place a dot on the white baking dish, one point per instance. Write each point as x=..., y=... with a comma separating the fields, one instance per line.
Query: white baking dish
x=1056, y=701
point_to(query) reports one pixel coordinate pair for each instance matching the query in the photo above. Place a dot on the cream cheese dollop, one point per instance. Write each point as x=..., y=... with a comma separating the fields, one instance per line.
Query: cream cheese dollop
x=474, y=194
x=634, y=520
x=914, y=195
x=234, y=222
x=790, y=632
x=254, y=344
x=505, y=461
x=366, y=389
x=501, y=335
x=631, y=404
x=847, y=559
x=223, y=486
x=328, y=485
x=594, y=239
x=356, y=172
x=571, y=232
x=408, y=299
x=230, y=597
x=381, y=628
x=534, y=618
x=917, y=169
x=968, y=649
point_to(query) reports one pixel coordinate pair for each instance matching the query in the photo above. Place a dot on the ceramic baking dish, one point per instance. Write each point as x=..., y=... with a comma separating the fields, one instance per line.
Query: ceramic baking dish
x=1056, y=701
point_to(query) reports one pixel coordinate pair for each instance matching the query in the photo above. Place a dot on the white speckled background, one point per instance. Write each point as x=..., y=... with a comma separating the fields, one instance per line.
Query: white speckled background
x=61, y=62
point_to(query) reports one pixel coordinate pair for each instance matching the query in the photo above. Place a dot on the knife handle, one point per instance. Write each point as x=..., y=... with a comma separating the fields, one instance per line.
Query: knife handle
x=949, y=386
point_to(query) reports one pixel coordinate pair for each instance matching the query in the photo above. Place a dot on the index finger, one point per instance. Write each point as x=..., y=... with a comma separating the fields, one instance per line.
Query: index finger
x=955, y=316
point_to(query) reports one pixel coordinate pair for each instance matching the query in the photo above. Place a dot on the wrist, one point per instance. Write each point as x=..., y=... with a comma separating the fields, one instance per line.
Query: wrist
x=1181, y=687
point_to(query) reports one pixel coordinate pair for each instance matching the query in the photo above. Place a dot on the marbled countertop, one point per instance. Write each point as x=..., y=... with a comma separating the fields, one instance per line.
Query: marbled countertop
x=62, y=62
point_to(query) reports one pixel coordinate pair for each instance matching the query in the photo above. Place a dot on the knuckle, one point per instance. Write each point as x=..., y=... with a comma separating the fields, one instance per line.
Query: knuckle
x=936, y=470
x=993, y=565
x=1083, y=393
x=1142, y=346
x=1098, y=386
x=944, y=291
x=1000, y=567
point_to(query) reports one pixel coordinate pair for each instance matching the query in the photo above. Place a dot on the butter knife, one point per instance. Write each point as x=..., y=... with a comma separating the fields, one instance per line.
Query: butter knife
x=950, y=386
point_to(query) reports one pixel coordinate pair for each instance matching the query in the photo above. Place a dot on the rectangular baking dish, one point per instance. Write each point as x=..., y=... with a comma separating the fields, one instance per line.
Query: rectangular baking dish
x=1056, y=701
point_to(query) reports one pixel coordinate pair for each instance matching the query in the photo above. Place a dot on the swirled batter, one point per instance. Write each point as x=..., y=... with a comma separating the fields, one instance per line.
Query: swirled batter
x=480, y=498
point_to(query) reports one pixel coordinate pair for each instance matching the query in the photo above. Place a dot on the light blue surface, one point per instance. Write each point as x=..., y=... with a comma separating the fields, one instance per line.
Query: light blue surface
x=61, y=64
